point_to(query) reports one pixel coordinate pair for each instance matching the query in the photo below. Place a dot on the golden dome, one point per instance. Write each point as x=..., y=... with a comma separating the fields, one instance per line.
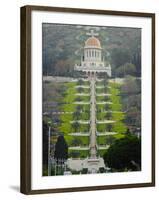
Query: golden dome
x=92, y=42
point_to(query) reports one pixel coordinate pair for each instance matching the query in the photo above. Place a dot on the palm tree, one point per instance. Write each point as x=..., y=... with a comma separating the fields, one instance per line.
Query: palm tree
x=107, y=107
x=75, y=126
x=108, y=115
x=79, y=108
x=109, y=127
x=76, y=115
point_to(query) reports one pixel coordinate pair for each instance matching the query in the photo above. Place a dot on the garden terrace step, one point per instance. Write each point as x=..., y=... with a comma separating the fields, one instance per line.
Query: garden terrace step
x=81, y=102
x=81, y=121
x=60, y=113
x=112, y=111
x=106, y=133
x=104, y=102
x=99, y=80
x=104, y=121
x=79, y=148
x=102, y=94
x=101, y=87
x=82, y=86
x=80, y=134
x=82, y=94
x=100, y=147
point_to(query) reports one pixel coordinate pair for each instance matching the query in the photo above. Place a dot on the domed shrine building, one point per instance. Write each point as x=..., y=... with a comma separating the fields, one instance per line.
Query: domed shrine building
x=92, y=59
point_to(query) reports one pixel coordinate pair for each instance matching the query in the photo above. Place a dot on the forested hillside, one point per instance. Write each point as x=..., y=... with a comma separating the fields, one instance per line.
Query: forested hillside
x=62, y=48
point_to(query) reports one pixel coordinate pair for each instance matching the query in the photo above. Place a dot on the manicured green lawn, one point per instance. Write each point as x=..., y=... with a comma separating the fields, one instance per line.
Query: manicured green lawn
x=85, y=115
x=82, y=98
x=118, y=116
x=101, y=152
x=66, y=117
x=83, y=140
x=119, y=136
x=101, y=140
x=103, y=98
x=100, y=90
x=100, y=107
x=119, y=127
x=66, y=128
x=84, y=127
x=78, y=154
x=68, y=107
x=101, y=127
x=101, y=116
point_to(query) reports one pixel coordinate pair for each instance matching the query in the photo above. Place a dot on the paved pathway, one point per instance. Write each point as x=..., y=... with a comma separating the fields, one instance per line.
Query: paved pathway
x=93, y=152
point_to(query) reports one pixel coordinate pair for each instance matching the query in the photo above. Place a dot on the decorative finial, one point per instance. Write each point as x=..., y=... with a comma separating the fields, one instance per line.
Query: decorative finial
x=92, y=33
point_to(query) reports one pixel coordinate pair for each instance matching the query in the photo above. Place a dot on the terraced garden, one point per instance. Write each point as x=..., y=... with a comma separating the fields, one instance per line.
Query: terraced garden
x=110, y=125
x=74, y=116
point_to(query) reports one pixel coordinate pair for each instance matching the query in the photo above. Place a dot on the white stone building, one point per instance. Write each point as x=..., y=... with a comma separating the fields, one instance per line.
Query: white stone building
x=92, y=59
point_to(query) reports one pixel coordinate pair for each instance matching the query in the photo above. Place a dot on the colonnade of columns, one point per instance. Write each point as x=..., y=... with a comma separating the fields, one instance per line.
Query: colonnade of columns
x=92, y=55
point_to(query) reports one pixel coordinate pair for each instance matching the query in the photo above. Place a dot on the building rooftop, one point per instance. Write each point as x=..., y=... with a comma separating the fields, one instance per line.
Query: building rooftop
x=93, y=42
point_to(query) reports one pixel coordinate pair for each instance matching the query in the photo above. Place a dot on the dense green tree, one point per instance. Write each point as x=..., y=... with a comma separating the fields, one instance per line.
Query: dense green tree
x=76, y=115
x=45, y=145
x=131, y=100
x=120, y=56
x=124, y=154
x=131, y=86
x=126, y=69
x=109, y=127
x=62, y=48
x=61, y=148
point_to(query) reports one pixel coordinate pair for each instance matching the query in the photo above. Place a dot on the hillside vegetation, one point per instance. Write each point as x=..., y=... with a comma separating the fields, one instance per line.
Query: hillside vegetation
x=62, y=48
